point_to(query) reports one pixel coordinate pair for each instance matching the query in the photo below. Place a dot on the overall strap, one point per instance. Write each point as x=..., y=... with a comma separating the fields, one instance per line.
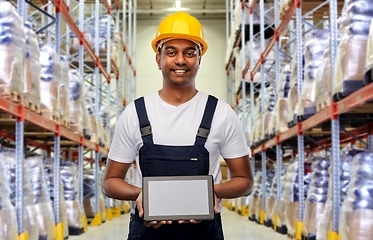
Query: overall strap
x=204, y=128
x=145, y=127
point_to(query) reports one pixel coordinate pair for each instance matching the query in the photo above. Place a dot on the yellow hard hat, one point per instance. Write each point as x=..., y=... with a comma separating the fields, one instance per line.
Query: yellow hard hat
x=180, y=25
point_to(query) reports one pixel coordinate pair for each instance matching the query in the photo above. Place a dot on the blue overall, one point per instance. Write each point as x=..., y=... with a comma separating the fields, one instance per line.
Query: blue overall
x=161, y=160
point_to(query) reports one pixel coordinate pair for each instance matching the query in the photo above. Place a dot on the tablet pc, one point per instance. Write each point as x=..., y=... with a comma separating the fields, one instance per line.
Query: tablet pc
x=178, y=198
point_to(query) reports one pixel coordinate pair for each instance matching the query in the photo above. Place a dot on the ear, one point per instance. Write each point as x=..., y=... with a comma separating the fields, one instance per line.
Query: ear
x=199, y=60
x=158, y=60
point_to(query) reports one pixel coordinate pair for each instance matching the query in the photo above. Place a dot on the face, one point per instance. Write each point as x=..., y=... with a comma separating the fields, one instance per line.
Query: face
x=179, y=62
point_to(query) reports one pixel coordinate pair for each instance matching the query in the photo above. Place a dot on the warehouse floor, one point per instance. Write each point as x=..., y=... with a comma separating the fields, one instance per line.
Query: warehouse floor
x=235, y=227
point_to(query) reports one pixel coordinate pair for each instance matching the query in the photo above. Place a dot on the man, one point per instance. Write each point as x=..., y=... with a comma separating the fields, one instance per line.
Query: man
x=168, y=129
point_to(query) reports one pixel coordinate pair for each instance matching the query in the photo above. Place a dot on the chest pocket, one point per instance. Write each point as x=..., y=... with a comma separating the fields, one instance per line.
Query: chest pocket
x=163, y=160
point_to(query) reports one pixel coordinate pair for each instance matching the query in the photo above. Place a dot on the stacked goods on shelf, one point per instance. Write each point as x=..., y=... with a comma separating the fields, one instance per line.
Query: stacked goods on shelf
x=269, y=180
x=89, y=98
x=76, y=96
x=271, y=203
x=75, y=213
x=32, y=69
x=254, y=196
x=257, y=130
x=88, y=35
x=279, y=118
x=279, y=210
x=87, y=129
x=117, y=50
x=29, y=221
x=368, y=70
x=352, y=50
x=314, y=49
x=49, y=177
x=291, y=195
x=102, y=35
x=51, y=78
x=326, y=221
x=12, y=50
x=293, y=93
x=8, y=223
x=65, y=94
x=89, y=194
x=355, y=220
x=323, y=82
x=248, y=121
x=268, y=112
x=317, y=196
x=43, y=205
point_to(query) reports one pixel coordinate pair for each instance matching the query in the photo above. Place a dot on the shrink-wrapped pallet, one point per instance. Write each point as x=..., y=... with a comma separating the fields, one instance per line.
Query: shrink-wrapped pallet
x=76, y=99
x=257, y=129
x=326, y=221
x=317, y=196
x=8, y=223
x=32, y=70
x=65, y=93
x=69, y=178
x=12, y=51
x=253, y=203
x=88, y=35
x=291, y=195
x=29, y=220
x=355, y=220
x=352, y=50
x=42, y=202
x=314, y=48
x=263, y=195
x=293, y=93
x=271, y=202
x=51, y=78
x=248, y=121
x=89, y=100
x=87, y=129
x=279, y=210
x=117, y=50
x=368, y=73
x=49, y=177
x=270, y=101
x=89, y=194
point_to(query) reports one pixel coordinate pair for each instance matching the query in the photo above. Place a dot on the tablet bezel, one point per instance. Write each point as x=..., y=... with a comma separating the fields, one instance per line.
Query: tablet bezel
x=211, y=198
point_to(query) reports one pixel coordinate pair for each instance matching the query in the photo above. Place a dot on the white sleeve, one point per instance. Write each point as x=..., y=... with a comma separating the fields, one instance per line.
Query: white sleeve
x=127, y=140
x=233, y=144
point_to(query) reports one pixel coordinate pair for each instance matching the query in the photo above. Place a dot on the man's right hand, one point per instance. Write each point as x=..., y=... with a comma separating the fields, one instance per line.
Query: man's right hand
x=153, y=224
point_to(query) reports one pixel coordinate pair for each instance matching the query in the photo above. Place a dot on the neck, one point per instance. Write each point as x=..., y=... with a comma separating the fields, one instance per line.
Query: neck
x=177, y=96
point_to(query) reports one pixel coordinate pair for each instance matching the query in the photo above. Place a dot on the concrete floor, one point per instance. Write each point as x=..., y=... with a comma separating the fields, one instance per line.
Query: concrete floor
x=235, y=227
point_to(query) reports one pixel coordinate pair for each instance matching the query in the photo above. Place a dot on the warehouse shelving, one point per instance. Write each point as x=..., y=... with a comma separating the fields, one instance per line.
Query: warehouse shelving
x=39, y=132
x=305, y=136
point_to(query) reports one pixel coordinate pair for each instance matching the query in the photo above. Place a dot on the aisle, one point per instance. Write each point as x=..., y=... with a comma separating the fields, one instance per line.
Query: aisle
x=235, y=227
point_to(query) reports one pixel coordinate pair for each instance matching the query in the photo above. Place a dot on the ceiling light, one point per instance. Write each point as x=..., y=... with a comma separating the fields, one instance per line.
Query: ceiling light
x=178, y=4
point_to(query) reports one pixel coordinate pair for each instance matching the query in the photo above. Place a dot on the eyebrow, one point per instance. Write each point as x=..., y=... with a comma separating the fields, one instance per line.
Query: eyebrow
x=185, y=49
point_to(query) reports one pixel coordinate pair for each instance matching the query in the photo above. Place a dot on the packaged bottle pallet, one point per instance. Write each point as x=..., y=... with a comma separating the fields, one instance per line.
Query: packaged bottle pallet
x=87, y=129
x=355, y=220
x=352, y=50
x=326, y=221
x=75, y=213
x=271, y=202
x=89, y=98
x=368, y=73
x=317, y=196
x=291, y=195
x=257, y=130
x=89, y=194
x=51, y=78
x=49, y=178
x=270, y=101
x=29, y=220
x=88, y=35
x=263, y=195
x=76, y=96
x=279, y=119
x=32, y=70
x=254, y=196
x=65, y=93
x=8, y=223
x=42, y=202
x=293, y=93
x=13, y=52
x=314, y=48
x=279, y=210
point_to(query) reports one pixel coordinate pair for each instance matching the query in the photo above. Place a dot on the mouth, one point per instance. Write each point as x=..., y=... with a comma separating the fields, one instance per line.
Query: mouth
x=180, y=71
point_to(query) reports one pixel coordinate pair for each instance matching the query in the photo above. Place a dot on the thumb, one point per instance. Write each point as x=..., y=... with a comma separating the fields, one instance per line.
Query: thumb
x=216, y=207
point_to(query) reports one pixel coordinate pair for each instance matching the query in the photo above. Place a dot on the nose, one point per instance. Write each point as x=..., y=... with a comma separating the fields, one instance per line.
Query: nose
x=180, y=59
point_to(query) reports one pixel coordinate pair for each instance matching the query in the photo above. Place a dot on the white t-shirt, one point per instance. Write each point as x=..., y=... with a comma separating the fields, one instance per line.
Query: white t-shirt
x=177, y=126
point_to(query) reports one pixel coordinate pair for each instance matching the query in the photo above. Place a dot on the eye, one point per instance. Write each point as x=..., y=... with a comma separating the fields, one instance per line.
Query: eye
x=170, y=54
x=191, y=54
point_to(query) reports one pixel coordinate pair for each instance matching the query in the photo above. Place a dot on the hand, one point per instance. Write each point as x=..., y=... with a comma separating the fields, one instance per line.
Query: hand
x=154, y=224
x=216, y=209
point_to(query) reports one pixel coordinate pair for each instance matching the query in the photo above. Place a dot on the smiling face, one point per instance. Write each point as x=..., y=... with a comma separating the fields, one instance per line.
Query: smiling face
x=179, y=62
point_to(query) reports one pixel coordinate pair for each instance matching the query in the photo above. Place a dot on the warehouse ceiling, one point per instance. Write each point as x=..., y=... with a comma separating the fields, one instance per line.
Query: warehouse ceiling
x=202, y=9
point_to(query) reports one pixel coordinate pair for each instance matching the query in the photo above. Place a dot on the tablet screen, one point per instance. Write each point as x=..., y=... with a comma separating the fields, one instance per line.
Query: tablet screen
x=175, y=198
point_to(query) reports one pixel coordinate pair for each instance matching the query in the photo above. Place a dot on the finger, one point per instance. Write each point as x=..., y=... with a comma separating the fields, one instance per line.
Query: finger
x=194, y=221
x=149, y=224
x=182, y=221
x=216, y=207
x=159, y=224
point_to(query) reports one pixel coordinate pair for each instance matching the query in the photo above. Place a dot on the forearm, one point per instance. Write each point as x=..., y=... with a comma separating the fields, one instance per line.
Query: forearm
x=119, y=189
x=236, y=187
